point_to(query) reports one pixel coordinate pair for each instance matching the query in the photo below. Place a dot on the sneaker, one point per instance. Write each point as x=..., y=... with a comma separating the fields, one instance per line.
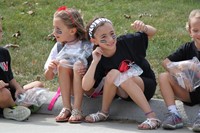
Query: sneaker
x=19, y=113
x=173, y=121
x=196, y=125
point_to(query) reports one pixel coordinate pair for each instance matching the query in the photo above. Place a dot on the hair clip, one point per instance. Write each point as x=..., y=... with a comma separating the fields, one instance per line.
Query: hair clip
x=62, y=8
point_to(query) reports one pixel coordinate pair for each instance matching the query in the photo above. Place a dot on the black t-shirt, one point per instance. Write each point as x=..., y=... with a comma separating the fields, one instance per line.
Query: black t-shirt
x=130, y=47
x=5, y=66
x=185, y=52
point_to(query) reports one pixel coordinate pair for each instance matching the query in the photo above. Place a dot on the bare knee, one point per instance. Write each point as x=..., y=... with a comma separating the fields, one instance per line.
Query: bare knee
x=79, y=68
x=163, y=75
x=63, y=65
x=111, y=76
x=5, y=97
x=64, y=70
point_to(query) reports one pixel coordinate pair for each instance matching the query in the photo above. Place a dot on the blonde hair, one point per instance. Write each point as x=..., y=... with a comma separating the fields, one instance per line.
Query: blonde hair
x=72, y=19
x=193, y=14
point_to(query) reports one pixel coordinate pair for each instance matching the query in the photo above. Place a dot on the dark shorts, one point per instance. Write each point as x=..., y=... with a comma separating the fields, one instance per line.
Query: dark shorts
x=195, y=97
x=149, y=88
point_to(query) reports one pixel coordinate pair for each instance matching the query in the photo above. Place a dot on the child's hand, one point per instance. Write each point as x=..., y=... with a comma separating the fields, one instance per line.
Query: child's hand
x=3, y=84
x=19, y=91
x=188, y=85
x=96, y=54
x=184, y=82
x=139, y=26
x=53, y=65
x=80, y=68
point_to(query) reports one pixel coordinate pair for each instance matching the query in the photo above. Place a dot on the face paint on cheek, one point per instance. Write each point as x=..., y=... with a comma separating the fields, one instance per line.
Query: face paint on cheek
x=114, y=36
x=58, y=31
x=103, y=41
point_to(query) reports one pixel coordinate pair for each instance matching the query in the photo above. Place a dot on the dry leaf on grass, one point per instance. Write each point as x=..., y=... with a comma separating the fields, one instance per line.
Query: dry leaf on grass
x=11, y=45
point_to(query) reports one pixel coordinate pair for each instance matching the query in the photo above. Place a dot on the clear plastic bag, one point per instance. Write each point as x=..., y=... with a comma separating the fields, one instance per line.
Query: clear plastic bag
x=189, y=72
x=34, y=96
x=68, y=56
x=134, y=70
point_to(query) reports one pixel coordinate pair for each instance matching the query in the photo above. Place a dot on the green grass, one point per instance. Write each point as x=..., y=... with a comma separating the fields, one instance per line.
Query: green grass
x=168, y=16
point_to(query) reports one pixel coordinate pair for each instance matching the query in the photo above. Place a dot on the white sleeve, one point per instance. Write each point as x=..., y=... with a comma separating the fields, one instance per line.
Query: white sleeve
x=52, y=56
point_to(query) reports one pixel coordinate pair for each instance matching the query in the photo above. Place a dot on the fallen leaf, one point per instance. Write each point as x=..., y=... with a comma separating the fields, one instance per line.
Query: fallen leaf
x=127, y=16
x=11, y=45
x=17, y=34
x=30, y=12
x=38, y=78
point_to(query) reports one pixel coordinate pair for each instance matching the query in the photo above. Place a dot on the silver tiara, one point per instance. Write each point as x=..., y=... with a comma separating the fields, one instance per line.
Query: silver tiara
x=96, y=23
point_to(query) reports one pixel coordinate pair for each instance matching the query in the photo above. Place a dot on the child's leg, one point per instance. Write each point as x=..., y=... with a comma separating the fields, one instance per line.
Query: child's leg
x=10, y=110
x=169, y=90
x=109, y=92
x=65, y=76
x=134, y=87
x=6, y=99
x=33, y=84
x=78, y=96
x=77, y=87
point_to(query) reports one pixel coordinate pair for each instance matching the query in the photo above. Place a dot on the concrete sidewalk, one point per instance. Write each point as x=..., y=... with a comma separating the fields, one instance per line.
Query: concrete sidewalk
x=40, y=123
x=123, y=110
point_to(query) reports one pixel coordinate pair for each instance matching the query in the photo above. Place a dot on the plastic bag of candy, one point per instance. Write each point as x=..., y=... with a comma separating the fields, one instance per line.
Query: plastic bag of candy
x=186, y=73
x=133, y=70
x=68, y=56
x=34, y=96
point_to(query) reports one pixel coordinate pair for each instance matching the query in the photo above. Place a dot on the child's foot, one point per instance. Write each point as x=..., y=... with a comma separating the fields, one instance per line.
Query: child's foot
x=64, y=115
x=76, y=116
x=173, y=121
x=149, y=124
x=196, y=125
x=19, y=113
x=96, y=117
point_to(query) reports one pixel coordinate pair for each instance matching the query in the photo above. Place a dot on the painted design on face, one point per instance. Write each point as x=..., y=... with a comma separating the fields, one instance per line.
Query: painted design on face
x=114, y=36
x=104, y=41
x=57, y=31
